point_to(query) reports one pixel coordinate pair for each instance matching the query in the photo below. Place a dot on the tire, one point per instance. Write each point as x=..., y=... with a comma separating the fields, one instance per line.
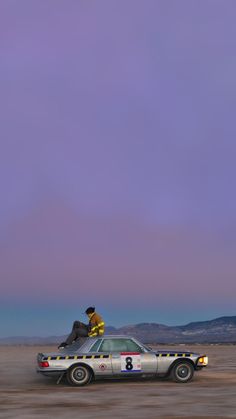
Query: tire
x=182, y=372
x=79, y=375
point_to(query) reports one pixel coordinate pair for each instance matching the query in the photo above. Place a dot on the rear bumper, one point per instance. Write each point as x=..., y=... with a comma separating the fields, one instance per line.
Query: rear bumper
x=50, y=373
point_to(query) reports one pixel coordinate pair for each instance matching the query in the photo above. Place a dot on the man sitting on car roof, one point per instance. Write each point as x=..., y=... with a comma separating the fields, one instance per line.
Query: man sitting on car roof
x=96, y=327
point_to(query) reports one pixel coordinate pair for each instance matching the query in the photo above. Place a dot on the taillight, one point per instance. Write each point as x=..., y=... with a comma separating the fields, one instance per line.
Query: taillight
x=44, y=364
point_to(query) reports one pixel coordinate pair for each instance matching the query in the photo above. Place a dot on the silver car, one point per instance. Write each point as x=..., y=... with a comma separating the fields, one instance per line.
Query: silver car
x=117, y=357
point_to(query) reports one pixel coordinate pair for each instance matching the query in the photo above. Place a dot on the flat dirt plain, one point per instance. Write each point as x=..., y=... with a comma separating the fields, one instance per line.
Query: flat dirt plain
x=25, y=394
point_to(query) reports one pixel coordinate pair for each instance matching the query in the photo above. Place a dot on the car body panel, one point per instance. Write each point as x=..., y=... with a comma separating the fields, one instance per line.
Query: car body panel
x=167, y=358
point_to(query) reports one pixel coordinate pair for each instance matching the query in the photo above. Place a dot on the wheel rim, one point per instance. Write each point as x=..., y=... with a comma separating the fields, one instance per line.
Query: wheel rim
x=183, y=372
x=79, y=374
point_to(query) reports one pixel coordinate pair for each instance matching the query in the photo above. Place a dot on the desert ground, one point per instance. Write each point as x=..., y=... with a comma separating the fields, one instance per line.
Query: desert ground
x=27, y=395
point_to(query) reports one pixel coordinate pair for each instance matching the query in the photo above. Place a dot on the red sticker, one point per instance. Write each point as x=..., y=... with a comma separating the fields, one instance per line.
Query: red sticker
x=102, y=367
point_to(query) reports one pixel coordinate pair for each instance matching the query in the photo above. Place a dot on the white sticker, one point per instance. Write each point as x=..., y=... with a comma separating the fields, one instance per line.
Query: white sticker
x=130, y=362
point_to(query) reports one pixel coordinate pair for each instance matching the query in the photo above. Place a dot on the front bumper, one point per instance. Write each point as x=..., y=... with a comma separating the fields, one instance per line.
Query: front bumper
x=202, y=361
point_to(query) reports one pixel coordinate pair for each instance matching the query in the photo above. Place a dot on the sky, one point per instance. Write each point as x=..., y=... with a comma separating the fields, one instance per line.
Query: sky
x=117, y=162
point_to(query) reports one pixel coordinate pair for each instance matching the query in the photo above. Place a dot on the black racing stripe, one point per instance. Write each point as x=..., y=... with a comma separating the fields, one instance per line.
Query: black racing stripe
x=174, y=354
x=97, y=356
x=88, y=356
x=105, y=356
x=53, y=358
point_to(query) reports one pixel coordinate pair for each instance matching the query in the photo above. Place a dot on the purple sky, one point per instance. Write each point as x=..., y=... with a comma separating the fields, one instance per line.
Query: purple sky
x=117, y=162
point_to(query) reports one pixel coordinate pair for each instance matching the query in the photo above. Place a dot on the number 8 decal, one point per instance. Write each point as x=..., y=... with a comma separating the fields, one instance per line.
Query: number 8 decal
x=130, y=362
x=129, y=365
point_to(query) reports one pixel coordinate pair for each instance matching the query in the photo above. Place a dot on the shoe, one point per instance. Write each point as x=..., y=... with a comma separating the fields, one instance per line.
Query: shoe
x=62, y=345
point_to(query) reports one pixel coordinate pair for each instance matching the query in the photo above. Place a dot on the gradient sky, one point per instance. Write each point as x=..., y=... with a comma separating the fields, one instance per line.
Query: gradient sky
x=117, y=162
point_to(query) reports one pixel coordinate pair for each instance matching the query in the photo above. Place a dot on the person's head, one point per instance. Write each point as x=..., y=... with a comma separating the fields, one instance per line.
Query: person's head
x=89, y=311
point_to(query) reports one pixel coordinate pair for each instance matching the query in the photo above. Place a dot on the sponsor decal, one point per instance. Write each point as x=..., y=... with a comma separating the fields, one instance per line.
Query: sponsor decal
x=102, y=367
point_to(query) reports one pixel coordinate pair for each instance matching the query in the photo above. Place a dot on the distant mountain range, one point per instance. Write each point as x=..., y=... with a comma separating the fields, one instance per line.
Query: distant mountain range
x=220, y=330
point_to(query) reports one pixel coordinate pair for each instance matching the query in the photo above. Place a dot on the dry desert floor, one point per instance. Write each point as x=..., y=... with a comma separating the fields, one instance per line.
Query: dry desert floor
x=27, y=395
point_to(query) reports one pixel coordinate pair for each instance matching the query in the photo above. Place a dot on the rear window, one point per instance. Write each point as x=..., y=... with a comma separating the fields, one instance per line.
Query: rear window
x=95, y=346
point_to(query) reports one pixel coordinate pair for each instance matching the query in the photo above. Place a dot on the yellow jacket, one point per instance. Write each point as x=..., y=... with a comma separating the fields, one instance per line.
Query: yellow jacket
x=96, y=325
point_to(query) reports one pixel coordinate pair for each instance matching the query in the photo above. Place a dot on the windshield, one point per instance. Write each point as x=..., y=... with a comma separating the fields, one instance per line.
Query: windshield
x=148, y=348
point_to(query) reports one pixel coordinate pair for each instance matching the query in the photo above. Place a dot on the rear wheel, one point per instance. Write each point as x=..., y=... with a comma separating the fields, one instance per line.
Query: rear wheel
x=79, y=375
x=182, y=372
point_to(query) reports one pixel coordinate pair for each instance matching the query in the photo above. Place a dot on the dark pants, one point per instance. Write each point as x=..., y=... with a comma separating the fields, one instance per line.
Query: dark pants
x=79, y=330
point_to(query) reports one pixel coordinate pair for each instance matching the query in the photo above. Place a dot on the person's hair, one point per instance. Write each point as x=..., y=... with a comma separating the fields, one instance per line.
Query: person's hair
x=90, y=310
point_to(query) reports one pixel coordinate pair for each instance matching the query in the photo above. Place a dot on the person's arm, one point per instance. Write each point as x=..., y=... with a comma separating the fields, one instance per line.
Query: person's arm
x=101, y=327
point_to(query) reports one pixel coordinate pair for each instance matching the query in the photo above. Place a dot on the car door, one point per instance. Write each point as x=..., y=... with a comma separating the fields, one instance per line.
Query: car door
x=101, y=361
x=128, y=358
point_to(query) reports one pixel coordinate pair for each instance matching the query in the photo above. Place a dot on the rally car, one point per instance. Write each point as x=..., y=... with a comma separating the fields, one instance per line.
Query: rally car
x=117, y=357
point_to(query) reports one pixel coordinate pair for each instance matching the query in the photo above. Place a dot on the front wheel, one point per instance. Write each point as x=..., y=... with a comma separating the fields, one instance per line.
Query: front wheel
x=182, y=372
x=79, y=375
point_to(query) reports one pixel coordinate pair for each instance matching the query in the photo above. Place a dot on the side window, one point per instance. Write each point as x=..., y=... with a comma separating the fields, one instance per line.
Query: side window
x=119, y=345
x=113, y=345
x=95, y=346
x=133, y=346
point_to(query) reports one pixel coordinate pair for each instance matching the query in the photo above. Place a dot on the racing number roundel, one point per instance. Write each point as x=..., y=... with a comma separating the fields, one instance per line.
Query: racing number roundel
x=130, y=361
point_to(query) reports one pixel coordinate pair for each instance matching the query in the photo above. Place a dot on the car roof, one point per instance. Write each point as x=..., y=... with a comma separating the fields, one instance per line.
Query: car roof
x=116, y=337
x=84, y=344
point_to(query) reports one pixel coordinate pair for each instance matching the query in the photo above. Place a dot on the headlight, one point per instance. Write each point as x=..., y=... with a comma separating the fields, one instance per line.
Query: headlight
x=203, y=360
